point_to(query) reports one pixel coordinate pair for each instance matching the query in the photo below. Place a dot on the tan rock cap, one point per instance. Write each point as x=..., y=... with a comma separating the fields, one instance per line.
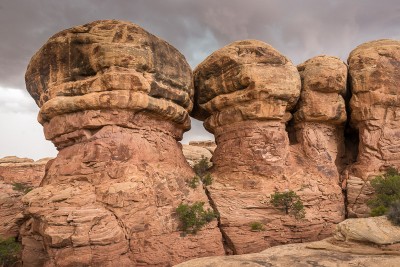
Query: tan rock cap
x=245, y=80
x=374, y=70
x=323, y=81
x=110, y=65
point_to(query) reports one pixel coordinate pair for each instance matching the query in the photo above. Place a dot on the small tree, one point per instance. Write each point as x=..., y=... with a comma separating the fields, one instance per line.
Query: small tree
x=21, y=187
x=194, y=182
x=9, y=252
x=201, y=170
x=194, y=217
x=289, y=202
x=257, y=227
x=387, y=192
x=394, y=212
x=201, y=167
x=207, y=179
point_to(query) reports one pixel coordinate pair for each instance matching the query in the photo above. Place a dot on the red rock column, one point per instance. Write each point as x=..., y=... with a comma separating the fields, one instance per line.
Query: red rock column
x=114, y=99
x=374, y=70
x=244, y=93
x=321, y=113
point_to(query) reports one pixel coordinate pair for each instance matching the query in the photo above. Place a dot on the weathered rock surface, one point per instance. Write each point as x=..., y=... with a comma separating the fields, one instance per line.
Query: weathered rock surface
x=11, y=208
x=17, y=176
x=22, y=170
x=338, y=251
x=299, y=255
x=374, y=69
x=114, y=99
x=194, y=154
x=377, y=230
x=107, y=71
x=320, y=115
x=208, y=144
x=245, y=93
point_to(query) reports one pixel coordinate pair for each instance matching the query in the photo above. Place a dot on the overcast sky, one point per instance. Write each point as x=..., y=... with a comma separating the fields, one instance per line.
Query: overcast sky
x=298, y=29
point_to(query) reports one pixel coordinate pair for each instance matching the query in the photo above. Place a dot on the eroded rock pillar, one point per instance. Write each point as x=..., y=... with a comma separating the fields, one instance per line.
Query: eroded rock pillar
x=374, y=70
x=320, y=116
x=245, y=93
x=114, y=99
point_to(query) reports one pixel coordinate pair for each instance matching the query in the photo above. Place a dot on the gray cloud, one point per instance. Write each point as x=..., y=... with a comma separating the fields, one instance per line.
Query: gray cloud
x=298, y=29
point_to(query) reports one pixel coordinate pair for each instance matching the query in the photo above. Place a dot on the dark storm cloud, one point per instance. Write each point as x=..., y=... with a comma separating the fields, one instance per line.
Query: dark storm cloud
x=299, y=29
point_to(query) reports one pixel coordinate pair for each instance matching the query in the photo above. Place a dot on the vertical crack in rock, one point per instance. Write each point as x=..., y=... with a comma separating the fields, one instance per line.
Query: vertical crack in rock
x=229, y=247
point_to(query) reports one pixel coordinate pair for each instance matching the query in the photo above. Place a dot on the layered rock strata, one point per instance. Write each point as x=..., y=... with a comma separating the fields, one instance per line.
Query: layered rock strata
x=114, y=99
x=356, y=242
x=245, y=93
x=374, y=69
x=17, y=177
x=22, y=170
x=207, y=144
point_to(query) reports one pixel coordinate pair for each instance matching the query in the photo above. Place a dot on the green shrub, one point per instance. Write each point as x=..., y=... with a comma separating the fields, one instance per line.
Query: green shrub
x=194, y=182
x=201, y=167
x=394, y=212
x=257, y=227
x=387, y=191
x=24, y=188
x=9, y=252
x=201, y=170
x=289, y=202
x=207, y=179
x=194, y=217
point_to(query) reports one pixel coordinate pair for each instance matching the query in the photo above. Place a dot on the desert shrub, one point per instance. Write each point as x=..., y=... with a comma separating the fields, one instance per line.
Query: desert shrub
x=24, y=188
x=387, y=191
x=194, y=217
x=9, y=252
x=257, y=227
x=207, y=179
x=201, y=167
x=201, y=170
x=194, y=182
x=394, y=212
x=289, y=202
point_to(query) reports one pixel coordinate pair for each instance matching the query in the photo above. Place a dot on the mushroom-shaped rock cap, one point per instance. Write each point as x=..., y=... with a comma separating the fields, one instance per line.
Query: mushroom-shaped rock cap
x=374, y=69
x=325, y=74
x=110, y=64
x=323, y=79
x=375, y=66
x=245, y=80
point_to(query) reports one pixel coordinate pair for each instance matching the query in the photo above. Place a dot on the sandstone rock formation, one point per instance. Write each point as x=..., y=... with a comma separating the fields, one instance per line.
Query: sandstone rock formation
x=17, y=176
x=336, y=251
x=245, y=93
x=11, y=208
x=207, y=144
x=196, y=150
x=373, y=230
x=374, y=69
x=22, y=170
x=321, y=113
x=114, y=99
x=194, y=154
